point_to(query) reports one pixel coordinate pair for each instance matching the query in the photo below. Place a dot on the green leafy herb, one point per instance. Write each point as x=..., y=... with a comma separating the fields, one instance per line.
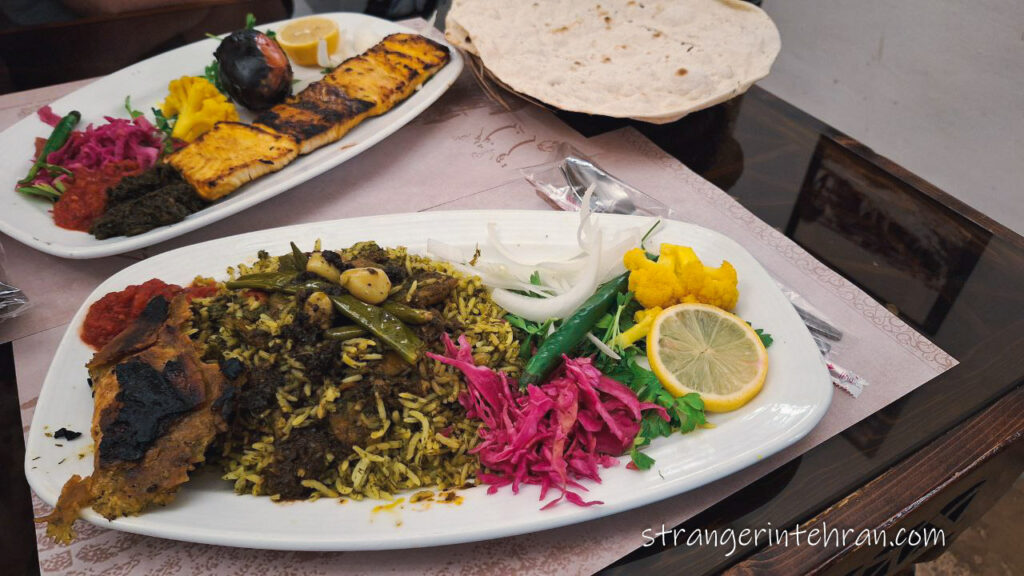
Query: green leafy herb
x=212, y=36
x=165, y=125
x=535, y=333
x=648, y=233
x=617, y=321
x=128, y=106
x=212, y=73
x=534, y=281
x=766, y=338
x=250, y=24
x=518, y=322
x=327, y=70
x=640, y=460
x=686, y=413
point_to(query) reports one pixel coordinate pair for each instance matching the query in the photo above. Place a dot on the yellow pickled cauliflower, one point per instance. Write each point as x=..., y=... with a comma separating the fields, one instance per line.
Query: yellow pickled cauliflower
x=198, y=105
x=652, y=283
x=644, y=320
x=679, y=276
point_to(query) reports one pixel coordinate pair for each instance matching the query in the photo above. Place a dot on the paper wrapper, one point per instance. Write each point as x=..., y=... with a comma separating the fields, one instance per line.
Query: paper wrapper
x=462, y=153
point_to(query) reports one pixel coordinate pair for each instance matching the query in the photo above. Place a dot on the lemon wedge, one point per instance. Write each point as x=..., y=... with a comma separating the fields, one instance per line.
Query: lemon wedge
x=301, y=38
x=704, y=349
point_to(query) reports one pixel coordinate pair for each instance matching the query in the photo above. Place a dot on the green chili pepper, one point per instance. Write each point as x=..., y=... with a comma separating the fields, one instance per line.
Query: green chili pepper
x=407, y=313
x=572, y=331
x=374, y=319
x=55, y=168
x=266, y=281
x=344, y=332
x=41, y=190
x=381, y=324
x=61, y=133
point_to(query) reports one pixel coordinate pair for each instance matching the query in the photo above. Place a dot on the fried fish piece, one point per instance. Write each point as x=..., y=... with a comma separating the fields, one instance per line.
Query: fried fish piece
x=316, y=116
x=230, y=155
x=158, y=407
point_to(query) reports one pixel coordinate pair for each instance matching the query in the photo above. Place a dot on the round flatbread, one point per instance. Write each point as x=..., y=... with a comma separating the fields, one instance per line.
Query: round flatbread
x=651, y=60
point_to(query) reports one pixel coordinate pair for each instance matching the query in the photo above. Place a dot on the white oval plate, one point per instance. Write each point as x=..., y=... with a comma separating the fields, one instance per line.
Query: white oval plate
x=29, y=221
x=795, y=397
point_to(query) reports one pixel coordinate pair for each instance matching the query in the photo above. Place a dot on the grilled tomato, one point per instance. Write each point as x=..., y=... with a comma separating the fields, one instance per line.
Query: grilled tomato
x=254, y=69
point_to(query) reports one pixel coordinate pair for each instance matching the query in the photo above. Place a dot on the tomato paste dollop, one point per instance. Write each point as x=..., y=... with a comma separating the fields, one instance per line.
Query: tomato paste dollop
x=85, y=198
x=109, y=315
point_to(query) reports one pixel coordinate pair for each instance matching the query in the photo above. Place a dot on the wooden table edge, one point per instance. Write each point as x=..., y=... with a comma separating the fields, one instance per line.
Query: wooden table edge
x=959, y=494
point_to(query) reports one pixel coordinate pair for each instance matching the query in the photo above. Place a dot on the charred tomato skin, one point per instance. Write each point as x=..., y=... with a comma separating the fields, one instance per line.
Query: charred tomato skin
x=254, y=69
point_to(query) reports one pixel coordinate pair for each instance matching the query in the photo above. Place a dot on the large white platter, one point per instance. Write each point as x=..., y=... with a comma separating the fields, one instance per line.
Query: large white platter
x=795, y=397
x=29, y=221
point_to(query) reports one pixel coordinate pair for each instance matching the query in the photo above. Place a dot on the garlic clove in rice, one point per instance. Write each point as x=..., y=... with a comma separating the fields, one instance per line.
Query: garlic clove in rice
x=371, y=285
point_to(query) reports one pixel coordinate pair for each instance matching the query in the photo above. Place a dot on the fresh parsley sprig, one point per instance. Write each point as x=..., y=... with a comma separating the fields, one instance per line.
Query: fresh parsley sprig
x=686, y=413
x=165, y=125
x=536, y=333
x=618, y=321
x=128, y=106
x=212, y=73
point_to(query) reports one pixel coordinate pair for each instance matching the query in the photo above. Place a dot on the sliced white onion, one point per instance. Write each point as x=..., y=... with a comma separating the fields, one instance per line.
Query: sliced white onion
x=565, y=284
x=603, y=347
x=446, y=251
x=563, y=305
x=570, y=265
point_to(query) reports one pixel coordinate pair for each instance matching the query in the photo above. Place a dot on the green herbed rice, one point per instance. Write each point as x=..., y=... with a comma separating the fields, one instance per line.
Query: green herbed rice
x=417, y=435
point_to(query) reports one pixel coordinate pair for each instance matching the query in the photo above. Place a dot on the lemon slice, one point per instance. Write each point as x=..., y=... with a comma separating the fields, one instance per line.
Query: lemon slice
x=300, y=38
x=704, y=349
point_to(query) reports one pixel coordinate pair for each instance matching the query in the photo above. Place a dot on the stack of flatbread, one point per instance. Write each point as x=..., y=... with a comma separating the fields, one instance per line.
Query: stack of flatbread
x=651, y=60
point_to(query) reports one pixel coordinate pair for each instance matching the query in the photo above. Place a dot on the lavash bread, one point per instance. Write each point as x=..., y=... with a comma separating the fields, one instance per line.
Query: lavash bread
x=651, y=60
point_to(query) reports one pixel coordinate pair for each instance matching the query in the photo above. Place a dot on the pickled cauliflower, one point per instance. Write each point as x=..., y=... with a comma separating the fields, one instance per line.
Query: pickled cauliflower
x=679, y=276
x=198, y=105
x=644, y=320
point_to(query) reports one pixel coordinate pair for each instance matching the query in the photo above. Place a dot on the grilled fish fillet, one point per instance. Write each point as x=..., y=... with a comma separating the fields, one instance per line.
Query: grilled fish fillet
x=390, y=71
x=230, y=155
x=157, y=408
x=366, y=85
x=370, y=84
x=317, y=116
x=434, y=55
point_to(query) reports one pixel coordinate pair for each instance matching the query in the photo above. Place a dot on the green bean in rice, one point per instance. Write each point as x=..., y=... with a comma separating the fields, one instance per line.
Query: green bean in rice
x=320, y=418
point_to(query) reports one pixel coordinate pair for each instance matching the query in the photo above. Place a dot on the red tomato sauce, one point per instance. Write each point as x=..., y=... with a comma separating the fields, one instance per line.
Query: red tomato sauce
x=111, y=314
x=86, y=196
x=201, y=291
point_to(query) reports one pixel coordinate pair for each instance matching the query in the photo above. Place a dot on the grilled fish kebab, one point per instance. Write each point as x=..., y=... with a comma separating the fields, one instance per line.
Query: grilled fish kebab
x=367, y=85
